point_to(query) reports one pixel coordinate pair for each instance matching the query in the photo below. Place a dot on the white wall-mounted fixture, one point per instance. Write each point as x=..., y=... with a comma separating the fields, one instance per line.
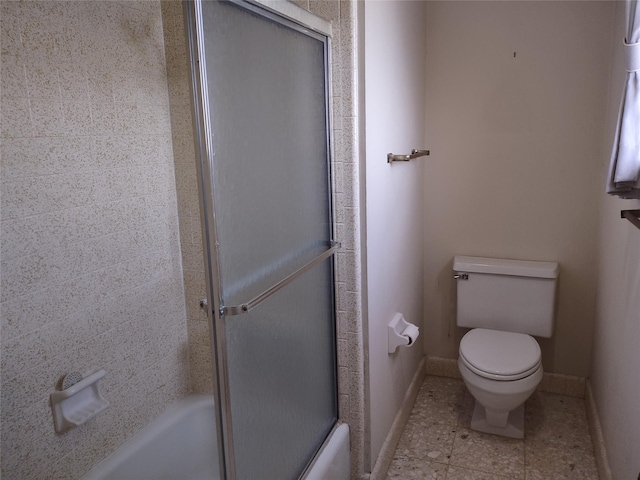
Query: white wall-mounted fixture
x=401, y=333
x=78, y=403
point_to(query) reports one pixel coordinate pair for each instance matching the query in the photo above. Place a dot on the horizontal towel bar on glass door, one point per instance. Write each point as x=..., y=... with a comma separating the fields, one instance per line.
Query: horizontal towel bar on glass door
x=246, y=307
x=405, y=158
x=632, y=215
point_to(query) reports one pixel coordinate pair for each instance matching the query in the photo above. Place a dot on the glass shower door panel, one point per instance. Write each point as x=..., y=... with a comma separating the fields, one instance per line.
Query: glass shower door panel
x=267, y=99
x=266, y=85
x=282, y=378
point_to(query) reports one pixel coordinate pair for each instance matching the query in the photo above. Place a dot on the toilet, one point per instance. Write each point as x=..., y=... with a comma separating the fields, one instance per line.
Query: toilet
x=505, y=303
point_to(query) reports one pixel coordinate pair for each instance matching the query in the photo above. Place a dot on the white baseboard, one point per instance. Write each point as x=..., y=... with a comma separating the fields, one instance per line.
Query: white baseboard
x=604, y=471
x=385, y=457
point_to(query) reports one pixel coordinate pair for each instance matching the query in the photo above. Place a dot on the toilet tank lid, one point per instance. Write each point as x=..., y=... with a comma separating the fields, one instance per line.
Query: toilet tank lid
x=500, y=266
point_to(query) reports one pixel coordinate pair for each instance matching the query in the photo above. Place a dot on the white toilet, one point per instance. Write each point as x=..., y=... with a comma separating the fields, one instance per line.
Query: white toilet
x=504, y=302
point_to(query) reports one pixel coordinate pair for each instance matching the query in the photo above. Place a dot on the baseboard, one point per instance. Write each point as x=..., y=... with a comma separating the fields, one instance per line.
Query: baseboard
x=390, y=444
x=559, y=383
x=604, y=471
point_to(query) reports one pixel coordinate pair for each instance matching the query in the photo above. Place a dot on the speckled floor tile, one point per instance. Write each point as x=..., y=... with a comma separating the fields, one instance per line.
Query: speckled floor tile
x=563, y=433
x=437, y=442
x=488, y=453
x=550, y=461
x=416, y=470
x=553, y=406
x=440, y=399
x=457, y=473
x=558, y=420
x=425, y=440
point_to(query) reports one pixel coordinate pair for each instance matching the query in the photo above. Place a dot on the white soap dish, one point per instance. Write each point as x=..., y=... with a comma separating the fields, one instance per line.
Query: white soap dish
x=78, y=403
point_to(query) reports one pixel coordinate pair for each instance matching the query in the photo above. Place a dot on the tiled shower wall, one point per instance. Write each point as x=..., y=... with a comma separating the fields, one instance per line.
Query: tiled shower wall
x=187, y=190
x=91, y=267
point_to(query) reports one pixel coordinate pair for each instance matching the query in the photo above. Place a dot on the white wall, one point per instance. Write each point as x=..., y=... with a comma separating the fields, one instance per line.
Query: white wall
x=616, y=355
x=394, y=102
x=515, y=96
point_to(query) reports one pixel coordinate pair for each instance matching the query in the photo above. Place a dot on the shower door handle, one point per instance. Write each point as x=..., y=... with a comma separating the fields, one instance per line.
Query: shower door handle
x=246, y=307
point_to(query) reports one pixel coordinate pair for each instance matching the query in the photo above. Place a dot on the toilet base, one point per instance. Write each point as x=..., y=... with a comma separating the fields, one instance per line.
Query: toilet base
x=513, y=429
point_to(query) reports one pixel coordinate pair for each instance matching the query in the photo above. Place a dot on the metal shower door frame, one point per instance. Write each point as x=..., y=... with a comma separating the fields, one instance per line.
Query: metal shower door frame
x=285, y=14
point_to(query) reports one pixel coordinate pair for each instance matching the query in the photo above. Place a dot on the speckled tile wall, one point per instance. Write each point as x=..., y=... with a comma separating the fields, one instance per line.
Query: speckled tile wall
x=91, y=266
x=200, y=370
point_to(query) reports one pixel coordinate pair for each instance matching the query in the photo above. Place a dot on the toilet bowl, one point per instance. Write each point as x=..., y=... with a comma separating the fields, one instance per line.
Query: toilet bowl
x=501, y=370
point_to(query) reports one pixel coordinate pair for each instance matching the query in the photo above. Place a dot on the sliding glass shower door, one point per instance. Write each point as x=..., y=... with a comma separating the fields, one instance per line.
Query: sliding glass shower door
x=261, y=89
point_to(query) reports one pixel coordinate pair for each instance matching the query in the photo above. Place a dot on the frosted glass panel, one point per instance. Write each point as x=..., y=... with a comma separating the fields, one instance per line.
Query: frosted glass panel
x=282, y=378
x=267, y=91
x=266, y=86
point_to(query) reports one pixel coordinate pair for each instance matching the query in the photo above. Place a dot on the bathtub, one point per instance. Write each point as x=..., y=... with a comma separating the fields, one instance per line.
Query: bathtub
x=181, y=444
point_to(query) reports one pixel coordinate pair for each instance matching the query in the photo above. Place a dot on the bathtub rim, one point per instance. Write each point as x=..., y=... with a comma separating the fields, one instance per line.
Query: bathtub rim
x=328, y=456
x=174, y=412
x=332, y=457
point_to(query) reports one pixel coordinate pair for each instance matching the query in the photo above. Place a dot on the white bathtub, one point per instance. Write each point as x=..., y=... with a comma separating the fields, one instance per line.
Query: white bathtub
x=181, y=445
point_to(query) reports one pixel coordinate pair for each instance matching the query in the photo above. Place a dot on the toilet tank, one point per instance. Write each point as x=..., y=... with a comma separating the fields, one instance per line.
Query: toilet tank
x=509, y=295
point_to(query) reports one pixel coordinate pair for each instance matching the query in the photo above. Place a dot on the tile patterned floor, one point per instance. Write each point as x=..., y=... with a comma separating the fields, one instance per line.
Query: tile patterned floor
x=437, y=442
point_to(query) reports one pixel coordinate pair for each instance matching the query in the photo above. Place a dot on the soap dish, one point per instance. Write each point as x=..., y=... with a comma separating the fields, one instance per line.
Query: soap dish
x=75, y=405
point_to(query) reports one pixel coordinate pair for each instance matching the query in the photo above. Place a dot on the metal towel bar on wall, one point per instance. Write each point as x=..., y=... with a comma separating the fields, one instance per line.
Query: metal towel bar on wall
x=405, y=158
x=632, y=215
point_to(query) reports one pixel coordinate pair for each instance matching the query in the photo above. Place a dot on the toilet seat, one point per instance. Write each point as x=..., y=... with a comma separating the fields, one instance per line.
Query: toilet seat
x=498, y=355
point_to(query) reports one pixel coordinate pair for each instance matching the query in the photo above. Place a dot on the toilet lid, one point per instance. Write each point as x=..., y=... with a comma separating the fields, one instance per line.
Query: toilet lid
x=500, y=355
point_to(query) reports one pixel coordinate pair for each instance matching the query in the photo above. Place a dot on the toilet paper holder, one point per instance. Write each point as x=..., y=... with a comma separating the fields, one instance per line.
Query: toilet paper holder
x=401, y=333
